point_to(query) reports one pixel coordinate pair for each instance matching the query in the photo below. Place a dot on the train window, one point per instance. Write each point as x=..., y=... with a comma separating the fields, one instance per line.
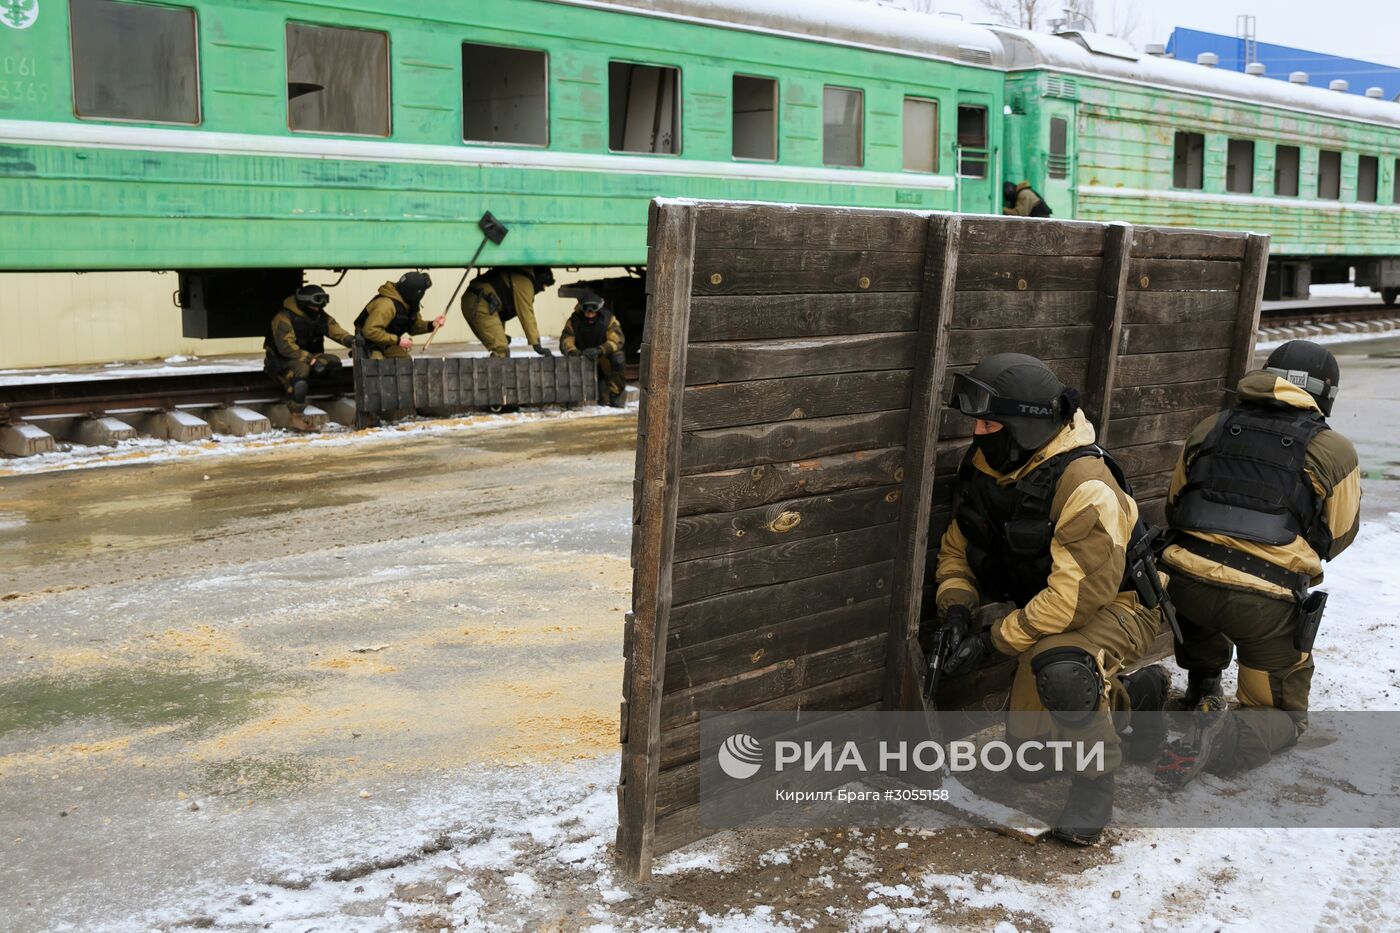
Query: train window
x=843, y=126
x=1189, y=161
x=505, y=96
x=1329, y=175
x=1286, y=159
x=920, y=135
x=755, y=118
x=644, y=112
x=972, y=142
x=1368, y=178
x=132, y=61
x=1057, y=165
x=1239, y=166
x=337, y=80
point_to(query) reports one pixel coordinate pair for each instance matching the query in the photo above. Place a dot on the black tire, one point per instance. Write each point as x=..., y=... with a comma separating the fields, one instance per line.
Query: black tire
x=1388, y=296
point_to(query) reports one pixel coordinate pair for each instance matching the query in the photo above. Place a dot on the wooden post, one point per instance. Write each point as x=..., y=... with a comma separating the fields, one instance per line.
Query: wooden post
x=1108, y=327
x=670, y=265
x=1256, y=264
x=931, y=359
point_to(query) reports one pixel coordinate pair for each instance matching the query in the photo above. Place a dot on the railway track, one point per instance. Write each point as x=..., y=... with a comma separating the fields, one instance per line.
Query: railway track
x=1324, y=320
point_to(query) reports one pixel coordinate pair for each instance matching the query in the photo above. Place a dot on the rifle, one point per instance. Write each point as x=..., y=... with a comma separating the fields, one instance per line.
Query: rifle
x=937, y=658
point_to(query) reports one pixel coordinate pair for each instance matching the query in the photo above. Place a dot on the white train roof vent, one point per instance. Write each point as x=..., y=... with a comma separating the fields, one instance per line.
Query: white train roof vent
x=1255, y=68
x=1338, y=84
x=1297, y=77
x=1375, y=93
x=1155, y=49
x=1209, y=59
x=975, y=54
x=1099, y=44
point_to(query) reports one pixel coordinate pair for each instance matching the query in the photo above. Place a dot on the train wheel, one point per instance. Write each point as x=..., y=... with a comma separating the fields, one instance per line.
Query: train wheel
x=1388, y=296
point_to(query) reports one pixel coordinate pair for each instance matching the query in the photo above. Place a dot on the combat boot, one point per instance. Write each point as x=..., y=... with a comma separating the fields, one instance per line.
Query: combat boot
x=1200, y=685
x=1210, y=738
x=298, y=422
x=618, y=400
x=1147, y=693
x=1088, y=810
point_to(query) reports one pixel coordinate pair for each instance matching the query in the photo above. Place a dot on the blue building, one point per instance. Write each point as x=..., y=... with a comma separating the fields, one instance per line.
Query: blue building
x=1280, y=60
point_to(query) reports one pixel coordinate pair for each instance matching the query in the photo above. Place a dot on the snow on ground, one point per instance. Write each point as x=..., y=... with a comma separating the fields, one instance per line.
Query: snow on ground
x=1264, y=346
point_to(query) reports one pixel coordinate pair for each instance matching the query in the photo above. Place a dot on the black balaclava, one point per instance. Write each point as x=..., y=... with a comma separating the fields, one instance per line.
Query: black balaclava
x=412, y=286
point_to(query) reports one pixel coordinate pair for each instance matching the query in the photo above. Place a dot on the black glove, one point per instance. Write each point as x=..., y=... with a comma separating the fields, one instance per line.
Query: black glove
x=591, y=353
x=541, y=349
x=969, y=653
x=573, y=352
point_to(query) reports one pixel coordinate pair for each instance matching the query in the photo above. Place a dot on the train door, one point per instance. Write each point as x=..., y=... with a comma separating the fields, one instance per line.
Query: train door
x=976, y=156
x=1058, y=130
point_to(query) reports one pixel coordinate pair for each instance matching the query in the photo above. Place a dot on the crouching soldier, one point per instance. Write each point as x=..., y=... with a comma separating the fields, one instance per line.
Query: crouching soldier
x=502, y=293
x=593, y=332
x=1022, y=201
x=1043, y=519
x=391, y=319
x=295, y=348
x=1262, y=494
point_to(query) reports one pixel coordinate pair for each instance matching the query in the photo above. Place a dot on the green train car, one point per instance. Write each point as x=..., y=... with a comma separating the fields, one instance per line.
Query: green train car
x=241, y=142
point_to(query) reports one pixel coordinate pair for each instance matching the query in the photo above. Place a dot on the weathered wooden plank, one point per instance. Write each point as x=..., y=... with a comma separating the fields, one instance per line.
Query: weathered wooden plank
x=1184, y=275
x=730, y=613
x=1107, y=326
x=1256, y=261
x=780, y=563
x=726, y=271
x=1048, y=343
x=941, y=263
x=1012, y=235
x=1153, y=511
x=1151, y=485
x=726, y=404
x=672, y=238
x=776, y=359
x=771, y=226
x=990, y=272
x=1175, y=243
x=1156, y=400
x=730, y=490
x=1148, y=458
x=790, y=520
x=765, y=645
x=1179, y=307
x=1168, y=368
x=1164, y=338
x=1146, y=429
x=730, y=448
x=749, y=317
x=985, y=310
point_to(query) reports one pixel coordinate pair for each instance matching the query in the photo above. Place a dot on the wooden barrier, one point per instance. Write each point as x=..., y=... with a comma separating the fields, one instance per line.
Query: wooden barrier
x=795, y=460
x=444, y=385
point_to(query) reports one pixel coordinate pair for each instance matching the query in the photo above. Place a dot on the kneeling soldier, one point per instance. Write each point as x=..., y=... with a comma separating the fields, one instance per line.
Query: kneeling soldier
x=594, y=333
x=295, y=348
x=500, y=294
x=1262, y=495
x=390, y=320
x=1044, y=519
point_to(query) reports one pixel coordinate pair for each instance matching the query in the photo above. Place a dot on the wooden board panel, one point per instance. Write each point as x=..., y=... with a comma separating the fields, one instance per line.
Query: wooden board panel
x=743, y=361
x=1145, y=429
x=1168, y=243
x=768, y=227
x=1006, y=235
x=749, y=317
x=967, y=347
x=1171, y=368
x=991, y=272
x=728, y=448
x=1179, y=307
x=726, y=271
x=1149, y=458
x=1184, y=275
x=1022, y=310
x=1165, y=338
x=727, y=404
x=730, y=490
x=1156, y=400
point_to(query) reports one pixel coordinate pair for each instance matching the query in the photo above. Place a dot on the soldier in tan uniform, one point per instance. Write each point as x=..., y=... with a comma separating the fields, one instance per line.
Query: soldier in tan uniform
x=1043, y=520
x=500, y=294
x=295, y=348
x=1262, y=495
x=1022, y=201
x=392, y=318
x=593, y=332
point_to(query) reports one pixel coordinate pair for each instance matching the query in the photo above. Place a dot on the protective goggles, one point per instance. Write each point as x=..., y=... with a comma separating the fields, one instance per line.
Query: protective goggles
x=591, y=305
x=317, y=298
x=978, y=400
x=1300, y=378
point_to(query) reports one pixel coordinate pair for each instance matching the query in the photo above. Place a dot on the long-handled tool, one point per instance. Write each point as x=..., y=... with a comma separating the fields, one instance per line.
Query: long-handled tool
x=492, y=230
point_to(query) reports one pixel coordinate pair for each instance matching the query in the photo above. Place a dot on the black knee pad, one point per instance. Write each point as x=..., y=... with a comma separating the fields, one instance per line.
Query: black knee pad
x=618, y=360
x=299, y=390
x=1069, y=684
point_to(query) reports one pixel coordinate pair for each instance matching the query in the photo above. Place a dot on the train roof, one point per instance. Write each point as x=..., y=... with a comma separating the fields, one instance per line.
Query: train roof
x=840, y=22
x=1114, y=59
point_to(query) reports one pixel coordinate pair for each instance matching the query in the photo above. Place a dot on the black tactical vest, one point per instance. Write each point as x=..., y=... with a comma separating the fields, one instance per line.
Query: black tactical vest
x=499, y=279
x=1008, y=527
x=1248, y=479
x=590, y=335
x=399, y=325
x=310, y=330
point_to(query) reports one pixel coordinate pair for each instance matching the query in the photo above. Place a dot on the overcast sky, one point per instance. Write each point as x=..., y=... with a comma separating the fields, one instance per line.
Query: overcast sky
x=1366, y=29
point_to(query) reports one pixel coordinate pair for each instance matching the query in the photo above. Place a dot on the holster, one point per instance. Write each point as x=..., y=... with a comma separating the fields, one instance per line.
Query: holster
x=1309, y=620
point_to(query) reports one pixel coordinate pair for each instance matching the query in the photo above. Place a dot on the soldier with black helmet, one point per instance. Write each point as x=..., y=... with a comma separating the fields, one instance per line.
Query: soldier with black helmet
x=500, y=294
x=1043, y=519
x=392, y=318
x=592, y=331
x=1263, y=493
x=295, y=348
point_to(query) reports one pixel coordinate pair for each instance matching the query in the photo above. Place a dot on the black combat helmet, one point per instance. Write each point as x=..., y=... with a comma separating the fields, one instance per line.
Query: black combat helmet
x=412, y=286
x=1309, y=366
x=311, y=298
x=543, y=277
x=1008, y=192
x=1020, y=393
